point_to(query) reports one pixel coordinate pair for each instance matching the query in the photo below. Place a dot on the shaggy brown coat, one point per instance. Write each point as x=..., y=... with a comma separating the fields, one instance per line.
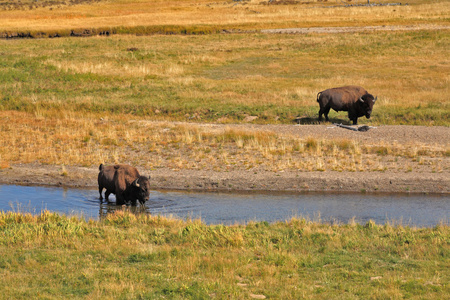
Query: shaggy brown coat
x=125, y=182
x=354, y=99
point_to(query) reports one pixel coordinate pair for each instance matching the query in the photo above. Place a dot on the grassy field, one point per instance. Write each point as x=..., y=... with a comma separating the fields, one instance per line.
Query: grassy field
x=200, y=16
x=219, y=77
x=82, y=101
x=55, y=92
x=228, y=77
x=149, y=257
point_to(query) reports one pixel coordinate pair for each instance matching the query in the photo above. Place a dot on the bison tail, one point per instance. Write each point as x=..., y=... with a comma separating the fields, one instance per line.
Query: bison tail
x=100, y=167
x=318, y=95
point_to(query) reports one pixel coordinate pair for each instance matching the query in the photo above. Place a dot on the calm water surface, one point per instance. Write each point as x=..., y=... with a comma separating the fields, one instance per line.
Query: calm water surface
x=231, y=208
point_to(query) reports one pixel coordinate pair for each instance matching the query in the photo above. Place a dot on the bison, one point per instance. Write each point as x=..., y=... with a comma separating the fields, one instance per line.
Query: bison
x=125, y=182
x=354, y=99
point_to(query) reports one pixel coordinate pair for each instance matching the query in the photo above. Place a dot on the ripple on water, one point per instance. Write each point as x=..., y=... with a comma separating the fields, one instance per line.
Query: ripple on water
x=231, y=208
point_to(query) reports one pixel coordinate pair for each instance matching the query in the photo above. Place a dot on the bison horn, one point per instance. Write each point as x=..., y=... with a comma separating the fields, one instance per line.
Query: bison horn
x=136, y=182
x=375, y=99
x=361, y=99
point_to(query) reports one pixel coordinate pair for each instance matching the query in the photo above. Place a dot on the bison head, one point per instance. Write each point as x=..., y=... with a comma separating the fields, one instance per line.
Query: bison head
x=367, y=101
x=140, y=189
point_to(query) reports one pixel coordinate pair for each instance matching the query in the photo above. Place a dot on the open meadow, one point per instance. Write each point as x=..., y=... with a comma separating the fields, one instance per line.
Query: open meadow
x=197, y=95
x=142, y=100
x=60, y=90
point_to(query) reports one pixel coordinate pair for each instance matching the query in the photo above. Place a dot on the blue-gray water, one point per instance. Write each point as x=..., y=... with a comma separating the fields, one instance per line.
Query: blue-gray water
x=231, y=208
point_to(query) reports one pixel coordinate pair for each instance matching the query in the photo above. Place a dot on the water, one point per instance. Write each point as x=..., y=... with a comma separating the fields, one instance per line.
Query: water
x=232, y=208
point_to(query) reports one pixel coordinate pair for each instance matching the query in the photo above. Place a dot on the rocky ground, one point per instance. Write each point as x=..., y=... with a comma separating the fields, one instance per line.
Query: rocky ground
x=418, y=179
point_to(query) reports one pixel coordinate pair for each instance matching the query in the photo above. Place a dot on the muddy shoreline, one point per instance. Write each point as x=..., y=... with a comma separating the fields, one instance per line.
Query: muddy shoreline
x=197, y=180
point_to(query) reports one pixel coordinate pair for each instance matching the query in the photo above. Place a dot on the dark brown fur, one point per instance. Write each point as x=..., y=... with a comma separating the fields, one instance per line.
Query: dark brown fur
x=354, y=99
x=125, y=182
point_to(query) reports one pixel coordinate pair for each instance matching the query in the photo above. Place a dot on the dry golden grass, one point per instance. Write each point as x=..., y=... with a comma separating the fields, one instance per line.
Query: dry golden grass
x=253, y=14
x=89, y=140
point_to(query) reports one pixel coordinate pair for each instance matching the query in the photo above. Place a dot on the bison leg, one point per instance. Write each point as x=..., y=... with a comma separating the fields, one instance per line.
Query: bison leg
x=353, y=117
x=326, y=114
x=325, y=111
x=120, y=199
x=100, y=189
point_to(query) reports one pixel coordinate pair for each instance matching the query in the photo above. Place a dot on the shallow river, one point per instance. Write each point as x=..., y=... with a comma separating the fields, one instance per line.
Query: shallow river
x=231, y=208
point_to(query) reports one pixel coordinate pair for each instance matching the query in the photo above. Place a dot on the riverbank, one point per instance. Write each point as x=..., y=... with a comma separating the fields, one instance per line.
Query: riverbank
x=251, y=157
x=289, y=181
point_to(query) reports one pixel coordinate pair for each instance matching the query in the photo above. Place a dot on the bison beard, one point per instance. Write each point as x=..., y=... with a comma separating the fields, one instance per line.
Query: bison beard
x=138, y=190
x=354, y=99
x=125, y=182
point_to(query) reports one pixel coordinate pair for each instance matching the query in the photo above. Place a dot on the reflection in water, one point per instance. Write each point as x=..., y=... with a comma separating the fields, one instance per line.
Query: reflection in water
x=231, y=208
x=106, y=208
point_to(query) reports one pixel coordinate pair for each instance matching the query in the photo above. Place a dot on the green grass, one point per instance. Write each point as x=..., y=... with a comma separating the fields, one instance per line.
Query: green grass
x=129, y=256
x=228, y=77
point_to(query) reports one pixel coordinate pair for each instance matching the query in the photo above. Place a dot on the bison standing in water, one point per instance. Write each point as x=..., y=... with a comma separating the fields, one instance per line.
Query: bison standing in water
x=354, y=99
x=125, y=182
